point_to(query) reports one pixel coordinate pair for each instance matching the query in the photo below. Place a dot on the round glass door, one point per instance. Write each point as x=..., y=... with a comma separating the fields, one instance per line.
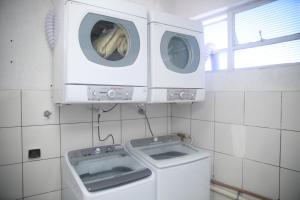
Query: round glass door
x=180, y=53
x=109, y=41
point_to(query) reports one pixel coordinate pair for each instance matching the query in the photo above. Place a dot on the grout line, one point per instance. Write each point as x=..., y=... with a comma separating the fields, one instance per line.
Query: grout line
x=191, y=108
x=42, y=193
x=249, y=159
x=243, y=173
x=214, y=147
x=22, y=143
x=121, y=124
x=93, y=141
x=280, y=141
x=60, y=148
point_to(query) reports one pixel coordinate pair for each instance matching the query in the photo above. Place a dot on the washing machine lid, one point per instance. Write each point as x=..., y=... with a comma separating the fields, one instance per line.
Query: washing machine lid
x=166, y=151
x=106, y=167
x=173, y=20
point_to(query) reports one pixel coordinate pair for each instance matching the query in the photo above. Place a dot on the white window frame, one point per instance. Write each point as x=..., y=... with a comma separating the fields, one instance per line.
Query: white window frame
x=232, y=43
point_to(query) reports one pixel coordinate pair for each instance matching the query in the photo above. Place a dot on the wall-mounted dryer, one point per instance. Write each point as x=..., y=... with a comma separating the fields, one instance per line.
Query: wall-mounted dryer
x=101, y=52
x=176, y=72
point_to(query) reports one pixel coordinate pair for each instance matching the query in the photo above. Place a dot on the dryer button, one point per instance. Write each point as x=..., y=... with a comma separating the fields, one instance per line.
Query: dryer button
x=111, y=94
x=181, y=95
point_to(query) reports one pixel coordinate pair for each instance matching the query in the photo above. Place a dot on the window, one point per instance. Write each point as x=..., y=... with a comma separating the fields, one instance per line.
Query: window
x=265, y=33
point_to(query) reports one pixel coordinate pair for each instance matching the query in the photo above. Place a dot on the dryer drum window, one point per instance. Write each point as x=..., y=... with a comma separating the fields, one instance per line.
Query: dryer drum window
x=109, y=41
x=180, y=53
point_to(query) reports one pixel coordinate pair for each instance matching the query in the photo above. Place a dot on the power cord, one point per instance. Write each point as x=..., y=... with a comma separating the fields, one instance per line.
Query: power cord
x=143, y=112
x=98, y=126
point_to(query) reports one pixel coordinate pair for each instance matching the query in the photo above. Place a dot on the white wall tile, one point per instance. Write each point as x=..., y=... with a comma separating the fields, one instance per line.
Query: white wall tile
x=75, y=136
x=291, y=110
x=11, y=182
x=289, y=185
x=204, y=110
x=48, y=196
x=32, y=58
x=157, y=110
x=181, y=110
x=203, y=134
x=10, y=108
x=169, y=110
x=159, y=126
x=114, y=114
x=261, y=178
x=230, y=139
x=229, y=107
x=46, y=138
x=10, y=145
x=34, y=104
x=263, y=109
x=41, y=176
x=132, y=129
x=228, y=169
x=263, y=144
x=130, y=111
x=106, y=128
x=290, y=149
x=75, y=113
x=169, y=125
x=180, y=125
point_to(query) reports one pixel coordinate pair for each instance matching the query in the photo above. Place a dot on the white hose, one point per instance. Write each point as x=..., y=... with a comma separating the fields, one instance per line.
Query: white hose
x=50, y=28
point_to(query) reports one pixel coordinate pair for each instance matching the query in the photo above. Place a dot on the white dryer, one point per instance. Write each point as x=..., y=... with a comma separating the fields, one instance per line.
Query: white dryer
x=106, y=173
x=176, y=57
x=182, y=171
x=101, y=51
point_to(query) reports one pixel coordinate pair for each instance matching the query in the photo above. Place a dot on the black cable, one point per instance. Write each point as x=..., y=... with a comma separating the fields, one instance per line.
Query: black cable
x=110, y=109
x=98, y=126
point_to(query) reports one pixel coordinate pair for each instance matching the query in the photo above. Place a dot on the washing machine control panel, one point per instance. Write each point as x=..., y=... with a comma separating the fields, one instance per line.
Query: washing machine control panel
x=181, y=94
x=106, y=93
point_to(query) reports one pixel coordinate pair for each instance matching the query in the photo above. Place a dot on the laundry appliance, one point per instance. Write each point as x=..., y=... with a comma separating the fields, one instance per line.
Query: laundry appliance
x=176, y=59
x=106, y=173
x=181, y=170
x=100, y=55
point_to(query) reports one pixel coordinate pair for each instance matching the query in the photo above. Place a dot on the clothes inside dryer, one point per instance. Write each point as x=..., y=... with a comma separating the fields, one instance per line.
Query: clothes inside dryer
x=110, y=40
x=103, y=170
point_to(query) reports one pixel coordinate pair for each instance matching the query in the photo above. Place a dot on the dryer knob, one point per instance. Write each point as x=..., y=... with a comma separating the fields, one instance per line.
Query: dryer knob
x=111, y=93
x=181, y=95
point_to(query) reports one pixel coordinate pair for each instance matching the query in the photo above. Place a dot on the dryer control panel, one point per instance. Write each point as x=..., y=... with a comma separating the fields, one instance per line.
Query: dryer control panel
x=181, y=94
x=107, y=93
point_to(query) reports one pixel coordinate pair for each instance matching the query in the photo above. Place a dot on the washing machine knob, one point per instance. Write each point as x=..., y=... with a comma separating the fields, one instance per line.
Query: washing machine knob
x=111, y=93
x=98, y=150
x=181, y=94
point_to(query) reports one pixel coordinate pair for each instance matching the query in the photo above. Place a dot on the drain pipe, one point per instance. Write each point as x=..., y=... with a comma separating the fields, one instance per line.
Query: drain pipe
x=225, y=189
x=226, y=193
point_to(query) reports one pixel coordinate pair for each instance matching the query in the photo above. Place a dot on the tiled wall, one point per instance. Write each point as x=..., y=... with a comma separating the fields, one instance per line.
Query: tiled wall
x=24, y=127
x=253, y=136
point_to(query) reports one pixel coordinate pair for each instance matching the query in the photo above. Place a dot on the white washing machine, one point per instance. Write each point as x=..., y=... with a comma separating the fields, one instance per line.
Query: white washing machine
x=176, y=56
x=106, y=173
x=100, y=53
x=182, y=171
